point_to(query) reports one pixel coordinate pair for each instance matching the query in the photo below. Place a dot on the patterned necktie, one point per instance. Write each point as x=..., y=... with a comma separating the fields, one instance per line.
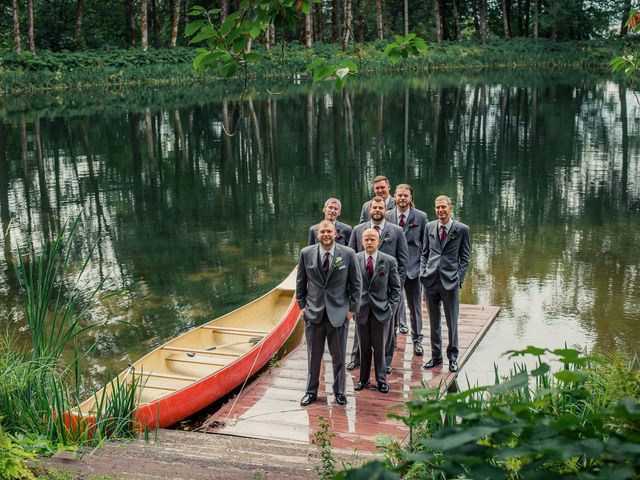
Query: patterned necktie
x=325, y=262
x=370, y=266
x=443, y=233
x=401, y=220
x=377, y=229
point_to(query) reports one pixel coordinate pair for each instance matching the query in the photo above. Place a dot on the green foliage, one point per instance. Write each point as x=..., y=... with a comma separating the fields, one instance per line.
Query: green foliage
x=582, y=421
x=629, y=64
x=403, y=47
x=322, y=438
x=13, y=458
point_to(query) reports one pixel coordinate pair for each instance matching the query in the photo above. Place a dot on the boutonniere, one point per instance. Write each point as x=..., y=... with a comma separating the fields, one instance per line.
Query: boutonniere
x=412, y=225
x=339, y=236
x=338, y=262
x=380, y=271
x=453, y=236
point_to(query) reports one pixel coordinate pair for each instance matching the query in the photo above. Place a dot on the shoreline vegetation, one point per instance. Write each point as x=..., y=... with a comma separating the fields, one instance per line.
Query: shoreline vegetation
x=48, y=72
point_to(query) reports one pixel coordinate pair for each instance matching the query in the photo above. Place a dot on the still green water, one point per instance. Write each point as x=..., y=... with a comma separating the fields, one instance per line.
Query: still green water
x=190, y=222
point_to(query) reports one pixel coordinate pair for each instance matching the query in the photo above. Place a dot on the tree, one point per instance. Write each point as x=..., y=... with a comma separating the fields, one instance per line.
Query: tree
x=348, y=24
x=626, y=11
x=405, y=16
x=379, y=19
x=144, y=26
x=308, y=30
x=30, y=34
x=438, y=20
x=482, y=20
x=17, y=41
x=175, y=18
x=78, y=31
x=506, y=10
x=130, y=22
x=335, y=20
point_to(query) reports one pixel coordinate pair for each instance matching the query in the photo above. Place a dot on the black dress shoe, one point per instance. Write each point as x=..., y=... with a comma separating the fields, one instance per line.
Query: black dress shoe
x=341, y=399
x=388, y=369
x=383, y=388
x=404, y=330
x=453, y=366
x=307, y=399
x=352, y=366
x=434, y=362
x=360, y=385
x=417, y=349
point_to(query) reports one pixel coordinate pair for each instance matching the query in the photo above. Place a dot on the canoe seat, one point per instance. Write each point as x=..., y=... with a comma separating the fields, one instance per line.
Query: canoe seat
x=200, y=351
x=200, y=361
x=170, y=377
x=235, y=331
x=157, y=387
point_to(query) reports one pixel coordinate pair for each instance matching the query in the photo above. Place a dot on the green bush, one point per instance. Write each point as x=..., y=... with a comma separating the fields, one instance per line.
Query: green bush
x=13, y=458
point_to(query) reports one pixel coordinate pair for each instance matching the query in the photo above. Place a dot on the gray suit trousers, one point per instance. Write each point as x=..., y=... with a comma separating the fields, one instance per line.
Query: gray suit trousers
x=371, y=336
x=336, y=337
x=391, y=336
x=450, y=299
x=413, y=289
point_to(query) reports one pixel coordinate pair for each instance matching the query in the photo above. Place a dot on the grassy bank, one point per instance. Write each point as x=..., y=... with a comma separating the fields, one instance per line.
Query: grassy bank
x=48, y=71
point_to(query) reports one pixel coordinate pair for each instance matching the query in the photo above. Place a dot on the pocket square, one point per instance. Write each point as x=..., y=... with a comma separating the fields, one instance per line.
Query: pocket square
x=342, y=267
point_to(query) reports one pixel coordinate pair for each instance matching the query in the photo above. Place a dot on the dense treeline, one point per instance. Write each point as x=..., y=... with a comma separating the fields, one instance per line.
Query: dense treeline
x=95, y=24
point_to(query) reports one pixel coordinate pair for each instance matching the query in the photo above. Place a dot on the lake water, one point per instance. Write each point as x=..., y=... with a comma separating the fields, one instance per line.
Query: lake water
x=199, y=200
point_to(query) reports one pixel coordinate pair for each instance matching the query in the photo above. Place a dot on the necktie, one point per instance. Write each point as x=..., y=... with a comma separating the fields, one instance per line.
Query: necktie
x=401, y=220
x=377, y=229
x=443, y=233
x=370, y=266
x=325, y=262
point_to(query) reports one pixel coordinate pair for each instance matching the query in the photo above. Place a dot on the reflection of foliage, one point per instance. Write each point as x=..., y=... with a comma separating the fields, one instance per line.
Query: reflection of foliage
x=534, y=424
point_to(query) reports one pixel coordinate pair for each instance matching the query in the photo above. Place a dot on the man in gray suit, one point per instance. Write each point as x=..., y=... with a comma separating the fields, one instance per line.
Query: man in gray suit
x=332, y=209
x=392, y=242
x=328, y=290
x=381, y=293
x=381, y=188
x=413, y=223
x=445, y=259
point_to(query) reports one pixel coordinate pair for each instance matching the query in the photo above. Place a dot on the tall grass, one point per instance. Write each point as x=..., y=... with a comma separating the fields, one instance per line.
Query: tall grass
x=36, y=388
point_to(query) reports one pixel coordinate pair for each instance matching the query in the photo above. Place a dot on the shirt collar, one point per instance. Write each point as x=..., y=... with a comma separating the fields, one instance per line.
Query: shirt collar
x=374, y=256
x=405, y=213
x=447, y=225
x=332, y=250
x=382, y=224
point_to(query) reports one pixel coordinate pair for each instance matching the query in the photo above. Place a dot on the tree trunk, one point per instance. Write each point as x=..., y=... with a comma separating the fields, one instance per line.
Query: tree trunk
x=483, y=20
x=16, y=28
x=175, y=18
x=348, y=24
x=308, y=30
x=438, y=20
x=335, y=21
x=520, y=18
x=536, y=18
x=476, y=21
x=154, y=19
x=30, y=34
x=456, y=20
x=271, y=34
x=506, y=10
x=405, y=16
x=79, y=15
x=626, y=11
x=224, y=10
x=130, y=20
x=319, y=23
x=379, y=19
x=144, y=25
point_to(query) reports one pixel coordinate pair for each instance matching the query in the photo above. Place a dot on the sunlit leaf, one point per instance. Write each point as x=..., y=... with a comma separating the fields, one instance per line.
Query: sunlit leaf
x=193, y=27
x=342, y=72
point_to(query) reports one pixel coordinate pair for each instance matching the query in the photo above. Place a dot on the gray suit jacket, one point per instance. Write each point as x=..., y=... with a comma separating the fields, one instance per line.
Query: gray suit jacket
x=449, y=261
x=364, y=214
x=343, y=234
x=337, y=292
x=415, y=231
x=380, y=294
x=392, y=242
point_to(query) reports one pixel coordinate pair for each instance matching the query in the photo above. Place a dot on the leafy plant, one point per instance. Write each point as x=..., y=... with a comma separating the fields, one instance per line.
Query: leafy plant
x=629, y=64
x=13, y=459
x=403, y=47
x=322, y=438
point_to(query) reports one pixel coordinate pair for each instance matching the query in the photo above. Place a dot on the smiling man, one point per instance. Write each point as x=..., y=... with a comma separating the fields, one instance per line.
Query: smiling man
x=328, y=287
x=332, y=209
x=382, y=189
x=445, y=259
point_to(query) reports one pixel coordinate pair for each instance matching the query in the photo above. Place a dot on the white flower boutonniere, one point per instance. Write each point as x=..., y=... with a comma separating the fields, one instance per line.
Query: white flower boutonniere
x=338, y=262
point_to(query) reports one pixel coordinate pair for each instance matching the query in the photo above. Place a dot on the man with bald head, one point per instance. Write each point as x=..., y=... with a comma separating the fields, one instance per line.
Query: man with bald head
x=328, y=287
x=332, y=209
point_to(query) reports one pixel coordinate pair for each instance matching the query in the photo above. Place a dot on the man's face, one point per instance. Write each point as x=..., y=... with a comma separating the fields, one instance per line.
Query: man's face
x=326, y=235
x=443, y=211
x=370, y=241
x=402, y=198
x=331, y=212
x=377, y=211
x=381, y=189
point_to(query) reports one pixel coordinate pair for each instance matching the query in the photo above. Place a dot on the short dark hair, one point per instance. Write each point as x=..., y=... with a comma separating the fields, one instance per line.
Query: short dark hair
x=380, y=178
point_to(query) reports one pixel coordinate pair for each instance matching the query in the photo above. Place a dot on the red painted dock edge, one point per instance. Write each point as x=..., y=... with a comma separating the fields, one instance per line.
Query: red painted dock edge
x=269, y=407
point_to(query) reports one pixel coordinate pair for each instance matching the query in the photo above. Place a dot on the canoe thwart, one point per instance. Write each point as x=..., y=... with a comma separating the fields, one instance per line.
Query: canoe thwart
x=170, y=377
x=193, y=360
x=235, y=331
x=199, y=350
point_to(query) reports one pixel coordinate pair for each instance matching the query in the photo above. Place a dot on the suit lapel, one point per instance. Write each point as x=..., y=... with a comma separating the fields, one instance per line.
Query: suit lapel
x=362, y=264
x=336, y=254
x=318, y=261
x=379, y=266
x=383, y=234
x=449, y=233
x=407, y=221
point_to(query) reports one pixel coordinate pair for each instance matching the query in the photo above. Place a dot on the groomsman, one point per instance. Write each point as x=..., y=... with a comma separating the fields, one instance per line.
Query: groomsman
x=332, y=209
x=328, y=290
x=392, y=242
x=379, y=299
x=381, y=188
x=413, y=223
x=445, y=259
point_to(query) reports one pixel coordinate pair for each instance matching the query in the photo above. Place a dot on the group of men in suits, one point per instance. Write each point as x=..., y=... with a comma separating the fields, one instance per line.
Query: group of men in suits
x=360, y=273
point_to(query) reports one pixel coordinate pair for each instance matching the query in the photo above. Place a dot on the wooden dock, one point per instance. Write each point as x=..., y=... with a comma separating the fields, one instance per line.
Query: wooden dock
x=269, y=407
